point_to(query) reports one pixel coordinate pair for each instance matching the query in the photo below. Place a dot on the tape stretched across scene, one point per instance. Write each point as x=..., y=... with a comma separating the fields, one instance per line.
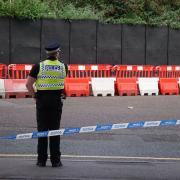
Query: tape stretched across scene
x=97, y=128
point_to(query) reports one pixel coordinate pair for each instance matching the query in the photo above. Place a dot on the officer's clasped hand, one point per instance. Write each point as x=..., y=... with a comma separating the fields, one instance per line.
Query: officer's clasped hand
x=63, y=96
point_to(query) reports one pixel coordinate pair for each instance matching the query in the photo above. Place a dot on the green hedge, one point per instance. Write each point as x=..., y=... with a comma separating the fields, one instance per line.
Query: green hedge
x=151, y=12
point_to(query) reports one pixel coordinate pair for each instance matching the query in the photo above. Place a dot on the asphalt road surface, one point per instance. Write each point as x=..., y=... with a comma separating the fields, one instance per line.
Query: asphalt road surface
x=137, y=154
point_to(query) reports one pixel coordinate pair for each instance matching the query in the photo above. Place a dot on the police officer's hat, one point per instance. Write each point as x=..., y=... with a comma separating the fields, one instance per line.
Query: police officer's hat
x=52, y=48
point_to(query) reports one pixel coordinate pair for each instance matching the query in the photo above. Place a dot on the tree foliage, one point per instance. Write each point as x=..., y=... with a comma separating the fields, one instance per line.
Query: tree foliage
x=152, y=12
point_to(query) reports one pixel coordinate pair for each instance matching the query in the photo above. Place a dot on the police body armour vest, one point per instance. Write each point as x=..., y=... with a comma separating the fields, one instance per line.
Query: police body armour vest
x=51, y=75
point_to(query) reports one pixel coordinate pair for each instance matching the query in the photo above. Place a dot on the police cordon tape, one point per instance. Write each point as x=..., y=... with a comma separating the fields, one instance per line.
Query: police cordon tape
x=97, y=128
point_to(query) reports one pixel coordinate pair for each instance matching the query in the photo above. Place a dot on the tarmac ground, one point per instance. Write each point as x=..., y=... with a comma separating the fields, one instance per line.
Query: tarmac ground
x=126, y=154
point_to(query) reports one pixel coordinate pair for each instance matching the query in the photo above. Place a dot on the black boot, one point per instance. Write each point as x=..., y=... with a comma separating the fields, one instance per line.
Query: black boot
x=57, y=164
x=41, y=164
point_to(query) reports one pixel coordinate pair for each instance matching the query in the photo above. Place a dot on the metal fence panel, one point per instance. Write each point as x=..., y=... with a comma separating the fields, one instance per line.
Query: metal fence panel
x=109, y=44
x=174, y=47
x=25, y=41
x=54, y=30
x=83, y=42
x=4, y=40
x=156, y=45
x=133, y=44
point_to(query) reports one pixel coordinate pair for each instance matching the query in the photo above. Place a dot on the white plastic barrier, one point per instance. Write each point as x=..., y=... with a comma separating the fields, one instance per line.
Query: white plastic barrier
x=15, y=85
x=16, y=88
x=103, y=86
x=2, y=88
x=148, y=86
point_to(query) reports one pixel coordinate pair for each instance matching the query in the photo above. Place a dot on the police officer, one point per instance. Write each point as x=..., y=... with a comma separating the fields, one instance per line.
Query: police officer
x=48, y=77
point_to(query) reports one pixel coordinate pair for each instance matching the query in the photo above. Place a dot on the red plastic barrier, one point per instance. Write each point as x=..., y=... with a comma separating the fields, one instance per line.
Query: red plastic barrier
x=127, y=86
x=15, y=88
x=168, y=86
x=168, y=71
x=127, y=71
x=3, y=71
x=89, y=70
x=99, y=70
x=19, y=71
x=76, y=71
x=77, y=87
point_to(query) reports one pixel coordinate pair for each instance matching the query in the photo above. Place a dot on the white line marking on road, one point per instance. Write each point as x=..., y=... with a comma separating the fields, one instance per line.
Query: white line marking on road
x=95, y=157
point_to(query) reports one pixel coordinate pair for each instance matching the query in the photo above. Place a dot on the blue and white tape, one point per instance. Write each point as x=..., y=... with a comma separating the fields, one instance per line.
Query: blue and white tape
x=97, y=128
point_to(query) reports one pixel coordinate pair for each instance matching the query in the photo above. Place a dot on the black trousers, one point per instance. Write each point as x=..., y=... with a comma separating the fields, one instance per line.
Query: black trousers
x=48, y=112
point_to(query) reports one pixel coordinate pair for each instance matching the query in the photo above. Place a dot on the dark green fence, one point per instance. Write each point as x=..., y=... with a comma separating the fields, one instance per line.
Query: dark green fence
x=88, y=42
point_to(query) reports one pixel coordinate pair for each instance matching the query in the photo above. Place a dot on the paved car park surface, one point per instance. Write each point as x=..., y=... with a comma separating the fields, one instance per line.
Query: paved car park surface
x=142, y=153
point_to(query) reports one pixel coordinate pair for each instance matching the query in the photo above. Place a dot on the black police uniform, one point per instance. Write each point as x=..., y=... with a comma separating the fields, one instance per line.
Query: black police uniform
x=48, y=112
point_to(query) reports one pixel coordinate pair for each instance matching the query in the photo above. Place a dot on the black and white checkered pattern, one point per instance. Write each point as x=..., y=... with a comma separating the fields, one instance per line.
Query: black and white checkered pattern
x=51, y=77
x=51, y=85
